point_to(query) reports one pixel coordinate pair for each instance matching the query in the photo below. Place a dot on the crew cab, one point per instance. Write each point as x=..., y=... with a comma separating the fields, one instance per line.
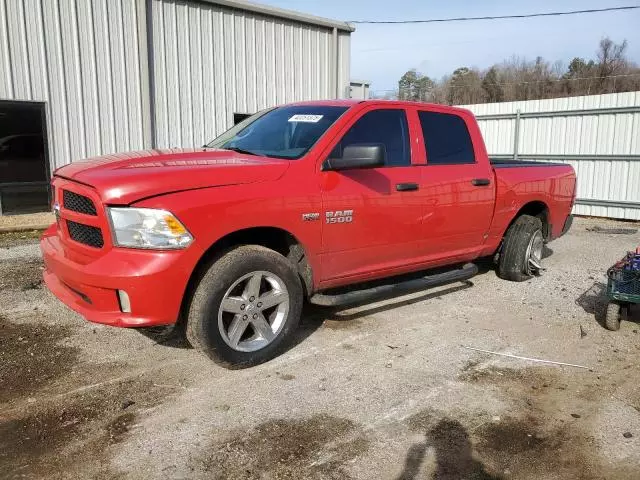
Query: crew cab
x=230, y=239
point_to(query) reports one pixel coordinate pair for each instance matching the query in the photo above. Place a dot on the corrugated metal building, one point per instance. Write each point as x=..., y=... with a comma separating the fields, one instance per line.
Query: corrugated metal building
x=115, y=75
x=598, y=134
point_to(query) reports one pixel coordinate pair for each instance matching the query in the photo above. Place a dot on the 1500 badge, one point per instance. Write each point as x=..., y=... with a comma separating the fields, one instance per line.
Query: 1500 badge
x=339, y=216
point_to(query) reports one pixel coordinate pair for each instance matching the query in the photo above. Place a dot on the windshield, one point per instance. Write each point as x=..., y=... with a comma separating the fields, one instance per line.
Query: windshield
x=282, y=132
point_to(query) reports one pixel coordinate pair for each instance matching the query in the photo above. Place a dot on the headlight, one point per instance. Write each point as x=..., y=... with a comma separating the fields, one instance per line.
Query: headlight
x=147, y=228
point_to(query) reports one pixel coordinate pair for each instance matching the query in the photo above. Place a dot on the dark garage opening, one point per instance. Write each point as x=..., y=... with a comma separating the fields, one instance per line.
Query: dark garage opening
x=238, y=117
x=24, y=164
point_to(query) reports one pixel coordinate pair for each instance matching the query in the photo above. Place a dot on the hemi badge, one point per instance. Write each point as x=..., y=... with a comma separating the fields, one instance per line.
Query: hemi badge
x=309, y=217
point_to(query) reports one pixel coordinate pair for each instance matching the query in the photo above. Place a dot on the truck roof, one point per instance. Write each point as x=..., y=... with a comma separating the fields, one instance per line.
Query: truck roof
x=351, y=102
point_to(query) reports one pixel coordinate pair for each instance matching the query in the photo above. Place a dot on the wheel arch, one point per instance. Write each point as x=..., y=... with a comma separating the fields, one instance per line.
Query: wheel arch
x=274, y=238
x=535, y=208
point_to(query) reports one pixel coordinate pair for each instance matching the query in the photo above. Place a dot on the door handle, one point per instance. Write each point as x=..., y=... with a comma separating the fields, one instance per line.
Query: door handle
x=480, y=182
x=406, y=187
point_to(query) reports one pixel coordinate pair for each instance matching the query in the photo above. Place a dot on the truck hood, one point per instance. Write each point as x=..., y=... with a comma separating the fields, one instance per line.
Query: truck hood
x=124, y=178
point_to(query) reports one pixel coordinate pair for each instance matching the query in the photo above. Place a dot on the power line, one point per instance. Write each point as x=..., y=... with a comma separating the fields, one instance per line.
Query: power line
x=499, y=17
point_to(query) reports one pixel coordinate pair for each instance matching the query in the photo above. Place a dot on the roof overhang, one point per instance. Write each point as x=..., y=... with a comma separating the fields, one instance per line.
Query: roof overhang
x=283, y=13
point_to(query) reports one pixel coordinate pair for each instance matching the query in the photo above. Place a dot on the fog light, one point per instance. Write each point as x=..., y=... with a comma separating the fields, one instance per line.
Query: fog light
x=125, y=304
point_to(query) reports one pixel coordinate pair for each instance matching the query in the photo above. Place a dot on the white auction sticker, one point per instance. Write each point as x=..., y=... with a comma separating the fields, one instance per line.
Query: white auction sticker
x=306, y=118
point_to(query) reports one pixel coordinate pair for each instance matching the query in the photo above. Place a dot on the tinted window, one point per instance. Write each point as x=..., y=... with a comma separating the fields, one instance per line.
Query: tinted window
x=446, y=139
x=386, y=127
x=283, y=132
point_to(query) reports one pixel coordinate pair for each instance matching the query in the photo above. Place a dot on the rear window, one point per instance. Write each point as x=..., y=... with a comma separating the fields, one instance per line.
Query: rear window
x=446, y=139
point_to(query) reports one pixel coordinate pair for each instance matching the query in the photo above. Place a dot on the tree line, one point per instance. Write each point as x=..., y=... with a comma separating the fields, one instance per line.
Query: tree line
x=519, y=79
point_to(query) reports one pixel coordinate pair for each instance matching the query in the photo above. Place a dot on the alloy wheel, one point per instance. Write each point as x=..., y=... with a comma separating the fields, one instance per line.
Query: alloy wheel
x=253, y=311
x=533, y=263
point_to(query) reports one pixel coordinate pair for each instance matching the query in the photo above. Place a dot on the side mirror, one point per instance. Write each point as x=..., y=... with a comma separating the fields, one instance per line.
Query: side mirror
x=369, y=155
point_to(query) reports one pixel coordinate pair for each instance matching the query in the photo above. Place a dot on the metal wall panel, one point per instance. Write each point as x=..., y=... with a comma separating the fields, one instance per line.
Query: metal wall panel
x=83, y=58
x=599, y=135
x=88, y=61
x=344, y=64
x=212, y=61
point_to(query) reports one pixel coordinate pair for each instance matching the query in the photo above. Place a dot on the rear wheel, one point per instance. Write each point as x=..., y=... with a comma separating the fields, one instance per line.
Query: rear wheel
x=246, y=307
x=521, y=254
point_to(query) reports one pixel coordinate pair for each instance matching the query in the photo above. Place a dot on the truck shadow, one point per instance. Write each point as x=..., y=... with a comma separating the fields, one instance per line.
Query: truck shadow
x=170, y=336
x=313, y=316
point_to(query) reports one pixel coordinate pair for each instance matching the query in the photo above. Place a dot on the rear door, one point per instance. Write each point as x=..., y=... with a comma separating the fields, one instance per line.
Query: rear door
x=459, y=190
x=371, y=217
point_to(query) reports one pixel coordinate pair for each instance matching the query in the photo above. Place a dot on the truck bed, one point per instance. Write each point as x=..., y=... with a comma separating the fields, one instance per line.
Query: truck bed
x=509, y=163
x=520, y=183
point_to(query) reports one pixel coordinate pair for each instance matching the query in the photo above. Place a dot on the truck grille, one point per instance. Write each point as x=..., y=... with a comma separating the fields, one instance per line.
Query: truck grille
x=85, y=234
x=78, y=203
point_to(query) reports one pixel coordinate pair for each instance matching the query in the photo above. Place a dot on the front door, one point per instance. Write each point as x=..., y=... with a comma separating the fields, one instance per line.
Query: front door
x=371, y=217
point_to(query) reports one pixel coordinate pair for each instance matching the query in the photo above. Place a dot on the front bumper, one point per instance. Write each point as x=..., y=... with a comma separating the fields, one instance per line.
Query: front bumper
x=154, y=280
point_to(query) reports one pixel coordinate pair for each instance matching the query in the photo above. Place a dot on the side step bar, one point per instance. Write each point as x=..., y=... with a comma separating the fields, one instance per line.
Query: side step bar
x=386, y=291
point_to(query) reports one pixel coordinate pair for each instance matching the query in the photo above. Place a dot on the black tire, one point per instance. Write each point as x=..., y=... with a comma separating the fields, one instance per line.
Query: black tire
x=615, y=314
x=512, y=264
x=202, y=322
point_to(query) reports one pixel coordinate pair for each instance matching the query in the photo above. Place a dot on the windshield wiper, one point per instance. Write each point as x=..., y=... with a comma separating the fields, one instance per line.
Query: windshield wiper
x=241, y=150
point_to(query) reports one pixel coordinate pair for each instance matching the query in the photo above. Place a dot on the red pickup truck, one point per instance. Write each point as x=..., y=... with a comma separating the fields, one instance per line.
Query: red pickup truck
x=295, y=201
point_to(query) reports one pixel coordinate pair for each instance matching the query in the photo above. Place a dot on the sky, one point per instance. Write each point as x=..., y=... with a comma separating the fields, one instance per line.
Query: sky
x=382, y=53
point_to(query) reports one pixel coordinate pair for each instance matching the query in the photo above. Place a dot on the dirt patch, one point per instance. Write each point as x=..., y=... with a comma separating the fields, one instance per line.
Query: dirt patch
x=496, y=374
x=15, y=239
x=313, y=448
x=486, y=448
x=511, y=436
x=341, y=324
x=31, y=356
x=73, y=435
x=546, y=430
x=117, y=428
x=65, y=433
x=21, y=274
x=470, y=365
x=27, y=439
x=537, y=447
x=542, y=447
x=549, y=388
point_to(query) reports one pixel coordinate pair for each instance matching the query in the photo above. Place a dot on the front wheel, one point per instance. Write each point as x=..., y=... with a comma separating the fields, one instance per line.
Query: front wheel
x=246, y=307
x=521, y=254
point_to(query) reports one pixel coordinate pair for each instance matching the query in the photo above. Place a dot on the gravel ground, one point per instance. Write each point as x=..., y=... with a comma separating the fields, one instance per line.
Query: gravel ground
x=10, y=221
x=18, y=239
x=381, y=391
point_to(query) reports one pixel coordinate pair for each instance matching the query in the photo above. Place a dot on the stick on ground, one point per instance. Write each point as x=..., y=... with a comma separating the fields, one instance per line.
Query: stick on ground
x=525, y=358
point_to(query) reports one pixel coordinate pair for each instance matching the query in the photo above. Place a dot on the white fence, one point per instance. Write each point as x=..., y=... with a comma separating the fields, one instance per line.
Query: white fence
x=599, y=135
